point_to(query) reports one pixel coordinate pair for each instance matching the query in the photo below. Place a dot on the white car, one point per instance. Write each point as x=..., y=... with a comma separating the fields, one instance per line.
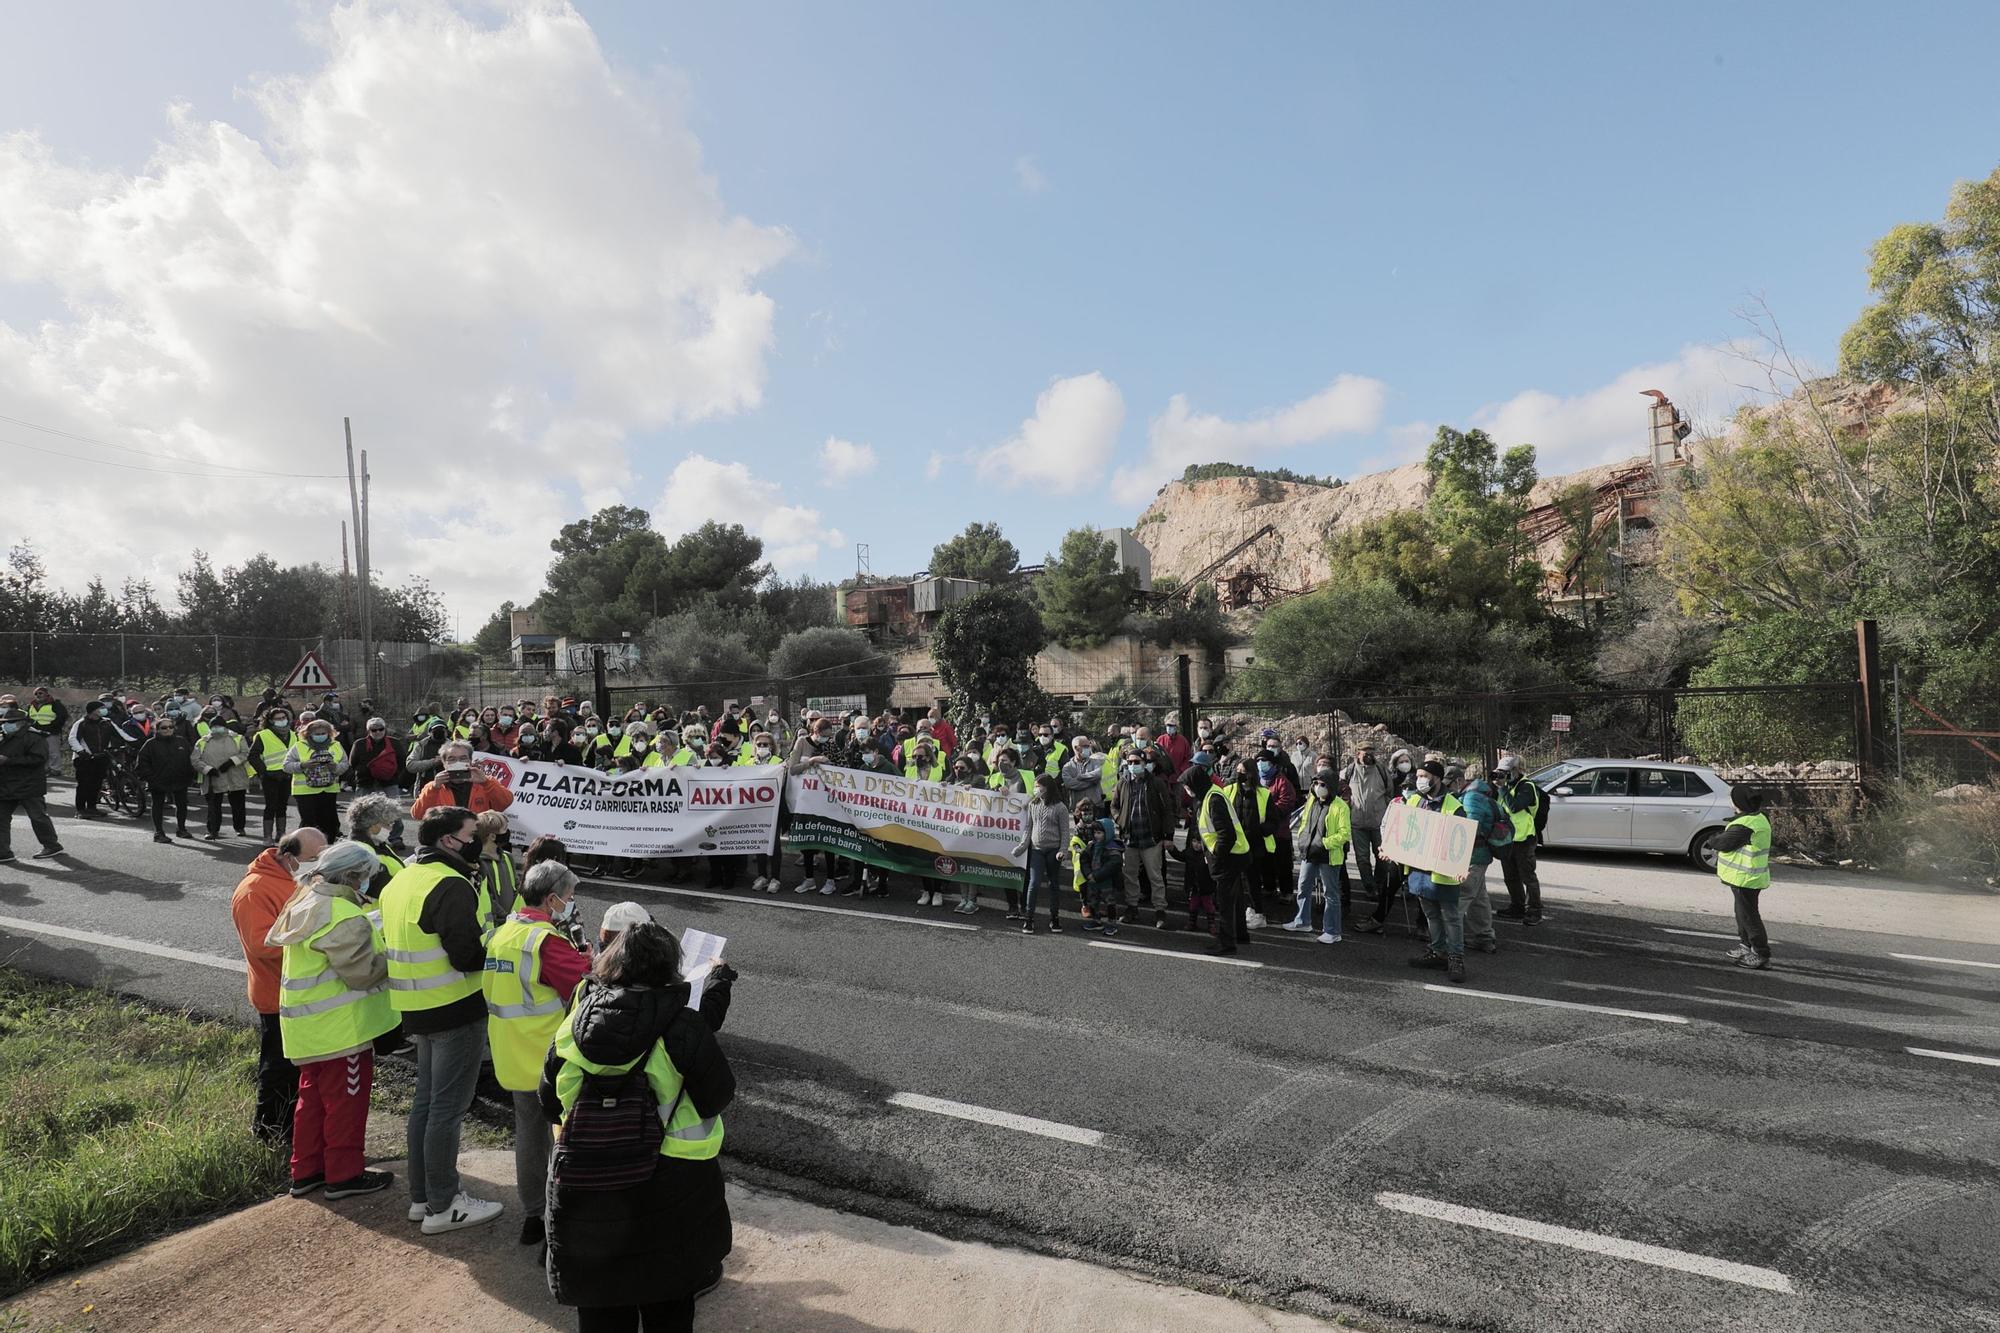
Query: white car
x=1636, y=805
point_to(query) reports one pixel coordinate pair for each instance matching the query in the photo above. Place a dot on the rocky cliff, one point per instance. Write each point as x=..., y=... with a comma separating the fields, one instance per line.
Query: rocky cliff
x=1189, y=524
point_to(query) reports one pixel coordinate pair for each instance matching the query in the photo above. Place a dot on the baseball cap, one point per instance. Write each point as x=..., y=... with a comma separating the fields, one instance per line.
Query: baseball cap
x=621, y=917
x=1510, y=764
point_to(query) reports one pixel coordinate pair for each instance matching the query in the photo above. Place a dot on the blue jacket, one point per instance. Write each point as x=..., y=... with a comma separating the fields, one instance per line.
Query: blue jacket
x=1494, y=828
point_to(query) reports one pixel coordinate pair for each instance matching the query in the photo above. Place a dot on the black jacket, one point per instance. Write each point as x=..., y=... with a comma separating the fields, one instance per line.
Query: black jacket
x=24, y=764
x=660, y=1240
x=167, y=762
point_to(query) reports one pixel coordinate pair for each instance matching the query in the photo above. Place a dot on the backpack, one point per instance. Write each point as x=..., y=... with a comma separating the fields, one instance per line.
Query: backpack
x=383, y=766
x=612, y=1136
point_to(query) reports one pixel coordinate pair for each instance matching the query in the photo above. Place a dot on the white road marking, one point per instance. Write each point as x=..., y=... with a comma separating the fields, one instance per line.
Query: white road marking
x=1184, y=957
x=1556, y=1004
x=986, y=1115
x=1615, y=1247
x=120, y=942
x=1702, y=934
x=764, y=900
x=1950, y=962
x=1961, y=1056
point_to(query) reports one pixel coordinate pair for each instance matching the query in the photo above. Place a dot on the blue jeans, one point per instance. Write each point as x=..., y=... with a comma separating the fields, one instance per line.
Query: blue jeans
x=1447, y=925
x=447, y=1079
x=1044, y=880
x=1327, y=876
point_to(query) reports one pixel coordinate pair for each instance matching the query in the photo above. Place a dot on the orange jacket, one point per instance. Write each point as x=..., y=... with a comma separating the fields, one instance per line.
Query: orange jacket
x=486, y=794
x=254, y=906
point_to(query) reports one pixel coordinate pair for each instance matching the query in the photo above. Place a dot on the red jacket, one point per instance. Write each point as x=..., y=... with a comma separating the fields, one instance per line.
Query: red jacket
x=1177, y=750
x=947, y=737
x=254, y=906
x=563, y=966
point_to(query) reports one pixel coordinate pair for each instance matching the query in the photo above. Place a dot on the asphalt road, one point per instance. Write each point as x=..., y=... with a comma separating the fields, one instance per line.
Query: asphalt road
x=1328, y=1130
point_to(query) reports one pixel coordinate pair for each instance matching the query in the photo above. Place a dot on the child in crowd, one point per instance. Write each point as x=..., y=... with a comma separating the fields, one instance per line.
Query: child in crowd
x=1098, y=868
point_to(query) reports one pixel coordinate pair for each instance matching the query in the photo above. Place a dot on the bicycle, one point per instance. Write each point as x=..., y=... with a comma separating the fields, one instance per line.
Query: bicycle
x=122, y=789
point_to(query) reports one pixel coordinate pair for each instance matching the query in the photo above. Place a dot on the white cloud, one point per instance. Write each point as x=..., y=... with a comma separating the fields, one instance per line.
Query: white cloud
x=1351, y=405
x=1029, y=175
x=1608, y=423
x=844, y=460
x=1066, y=444
x=934, y=466
x=700, y=489
x=500, y=255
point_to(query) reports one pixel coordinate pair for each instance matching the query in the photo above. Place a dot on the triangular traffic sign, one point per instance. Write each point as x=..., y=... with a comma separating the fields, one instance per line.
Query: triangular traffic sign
x=309, y=674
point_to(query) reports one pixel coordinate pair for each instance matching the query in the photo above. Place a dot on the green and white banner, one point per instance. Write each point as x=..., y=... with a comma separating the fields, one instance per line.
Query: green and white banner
x=931, y=830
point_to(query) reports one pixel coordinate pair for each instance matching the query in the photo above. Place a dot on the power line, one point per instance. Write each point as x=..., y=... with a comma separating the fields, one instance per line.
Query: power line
x=146, y=453
x=165, y=472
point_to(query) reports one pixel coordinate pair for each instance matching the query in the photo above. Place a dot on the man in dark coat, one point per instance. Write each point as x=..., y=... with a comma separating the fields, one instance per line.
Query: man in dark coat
x=24, y=784
x=165, y=765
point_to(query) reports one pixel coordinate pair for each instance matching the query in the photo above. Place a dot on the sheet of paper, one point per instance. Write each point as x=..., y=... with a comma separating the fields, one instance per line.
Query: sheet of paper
x=699, y=952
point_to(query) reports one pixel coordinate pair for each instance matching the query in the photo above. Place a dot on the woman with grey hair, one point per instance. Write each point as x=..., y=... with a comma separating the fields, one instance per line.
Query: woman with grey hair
x=334, y=1004
x=533, y=964
x=370, y=821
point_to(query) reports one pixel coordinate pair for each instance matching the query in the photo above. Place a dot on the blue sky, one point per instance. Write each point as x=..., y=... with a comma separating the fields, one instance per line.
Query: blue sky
x=1492, y=213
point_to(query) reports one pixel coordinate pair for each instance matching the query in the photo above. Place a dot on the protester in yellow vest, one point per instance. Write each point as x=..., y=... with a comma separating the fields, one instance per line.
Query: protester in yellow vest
x=1522, y=802
x=1321, y=830
x=658, y=1241
x=1438, y=894
x=437, y=957
x=532, y=968
x=269, y=748
x=333, y=1004
x=1743, y=862
x=499, y=881
x=316, y=762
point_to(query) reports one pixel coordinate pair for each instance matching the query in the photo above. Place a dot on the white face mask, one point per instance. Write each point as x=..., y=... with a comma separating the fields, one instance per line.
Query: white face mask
x=1424, y=783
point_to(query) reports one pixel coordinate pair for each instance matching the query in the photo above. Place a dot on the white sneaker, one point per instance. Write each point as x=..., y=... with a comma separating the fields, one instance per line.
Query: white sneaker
x=1254, y=920
x=1737, y=952
x=1329, y=939
x=1296, y=926
x=805, y=886
x=465, y=1211
x=772, y=885
x=758, y=883
x=827, y=888
x=419, y=1211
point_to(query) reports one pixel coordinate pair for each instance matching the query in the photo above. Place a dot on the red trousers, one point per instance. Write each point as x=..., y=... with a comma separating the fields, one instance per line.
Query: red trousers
x=331, y=1123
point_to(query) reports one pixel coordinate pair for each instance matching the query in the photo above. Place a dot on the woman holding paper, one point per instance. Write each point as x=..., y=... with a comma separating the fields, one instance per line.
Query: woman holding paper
x=637, y=1222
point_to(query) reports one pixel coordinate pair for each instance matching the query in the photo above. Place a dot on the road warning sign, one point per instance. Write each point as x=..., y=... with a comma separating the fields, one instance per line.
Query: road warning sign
x=309, y=674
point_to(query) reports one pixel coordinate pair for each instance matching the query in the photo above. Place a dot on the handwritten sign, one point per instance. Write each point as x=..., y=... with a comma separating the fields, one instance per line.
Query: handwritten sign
x=1427, y=840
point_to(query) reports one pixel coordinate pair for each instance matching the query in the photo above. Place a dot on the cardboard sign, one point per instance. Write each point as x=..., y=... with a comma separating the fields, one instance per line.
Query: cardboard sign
x=1428, y=840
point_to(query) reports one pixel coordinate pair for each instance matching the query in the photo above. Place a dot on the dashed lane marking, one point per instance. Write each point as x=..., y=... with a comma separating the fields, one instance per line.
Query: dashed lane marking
x=1948, y=962
x=121, y=942
x=1961, y=1056
x=1560, y=1004
x=1184, y=957
x=986, y=1115
x=1616, y=1247
x=748, y=901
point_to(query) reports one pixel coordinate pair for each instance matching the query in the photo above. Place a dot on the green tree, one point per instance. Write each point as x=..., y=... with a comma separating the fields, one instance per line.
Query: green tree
x=1935, y=323
x=1368, y=638
x=496, y=637
x=614, y=573
x=698, y=663
x=410, y=612
x=828, y=660
x=1463, y=551
x=1788, y=648
x=985, y=648
x=980, y=552
x=1082, y=592
x=1192, y=619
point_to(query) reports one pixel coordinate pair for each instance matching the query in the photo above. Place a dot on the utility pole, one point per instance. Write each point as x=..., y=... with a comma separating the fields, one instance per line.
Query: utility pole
x=1868, y=645
x=370, y=674
x=360, y=548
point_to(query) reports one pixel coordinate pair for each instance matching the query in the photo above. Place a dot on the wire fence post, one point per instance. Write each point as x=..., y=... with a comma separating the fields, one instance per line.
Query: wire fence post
x=31, y=655
x=123, y=675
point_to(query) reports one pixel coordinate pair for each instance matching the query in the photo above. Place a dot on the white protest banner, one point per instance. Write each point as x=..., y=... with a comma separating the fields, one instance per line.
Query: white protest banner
x=1428, y=840
x=927, y=829
x=730, y=811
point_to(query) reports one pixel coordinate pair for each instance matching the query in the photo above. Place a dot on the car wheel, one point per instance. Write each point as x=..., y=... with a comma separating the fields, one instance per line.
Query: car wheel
x=1701, y=852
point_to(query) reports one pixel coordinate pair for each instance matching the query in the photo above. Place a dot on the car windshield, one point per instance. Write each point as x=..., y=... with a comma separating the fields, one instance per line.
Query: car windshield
x=1553, y=774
